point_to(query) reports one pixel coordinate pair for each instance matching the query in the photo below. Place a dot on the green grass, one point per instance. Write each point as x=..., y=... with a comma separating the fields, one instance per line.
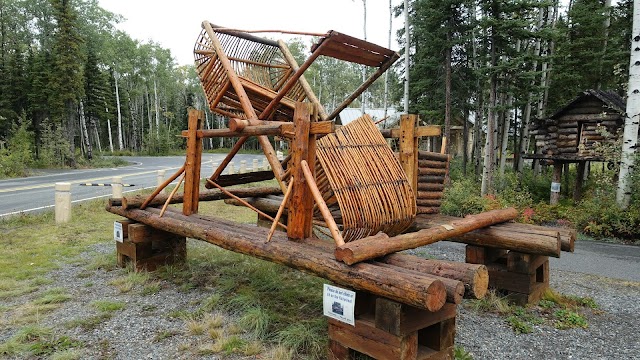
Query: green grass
x=89, y=322
x=37, y=342
x=53, y=296
x=131, y=280
x=33, y=246
x=108, y=306
x=459, y=353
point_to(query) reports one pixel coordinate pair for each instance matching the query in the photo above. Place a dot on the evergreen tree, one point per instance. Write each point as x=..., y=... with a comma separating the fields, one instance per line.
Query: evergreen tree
x=67, y=80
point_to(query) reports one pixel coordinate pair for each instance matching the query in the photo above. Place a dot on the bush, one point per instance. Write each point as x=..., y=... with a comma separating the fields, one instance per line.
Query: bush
x=18, y=156
x=462, y=198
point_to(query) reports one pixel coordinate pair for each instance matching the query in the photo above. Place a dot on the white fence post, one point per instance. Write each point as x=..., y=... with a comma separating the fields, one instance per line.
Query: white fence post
x=255, y=165
x=243, y=166
x=231, y=168
x=160, y=179
x=116, y=187
x=265, y=164
x=63, y=202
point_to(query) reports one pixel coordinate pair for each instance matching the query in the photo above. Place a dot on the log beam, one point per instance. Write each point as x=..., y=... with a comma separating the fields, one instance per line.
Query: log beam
x=379, y=245
x=411, y=289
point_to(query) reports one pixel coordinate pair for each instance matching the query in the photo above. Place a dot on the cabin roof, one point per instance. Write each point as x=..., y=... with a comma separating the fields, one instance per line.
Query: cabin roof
x=608, y=98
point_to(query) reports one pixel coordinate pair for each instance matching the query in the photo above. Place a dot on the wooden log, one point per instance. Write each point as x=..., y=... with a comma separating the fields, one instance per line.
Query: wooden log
x=589, y=117
x=407, y=148
x=410, y=289
x=432, y=164
x=300, y=211
x=432, y=171
x=430, y=186
x=420, y=131
x=267, y=205
x=525, y=238
x=475, y=277
x=428, y=202
x=567, y=124
x=431, y=179
x=568, y=130
x=427, y=210
x=454, y=288
x=428, y=155
x=430, y=194
x=321, y=205
x=378, y=245
x=208, y=195
x=246, y=178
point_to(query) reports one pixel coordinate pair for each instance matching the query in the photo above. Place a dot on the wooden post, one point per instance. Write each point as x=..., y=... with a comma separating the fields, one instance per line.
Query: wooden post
x=302, y=148
x=192, y=164
x=577, y=192
x=63, y=202
x=409, y=148
x=555, y=183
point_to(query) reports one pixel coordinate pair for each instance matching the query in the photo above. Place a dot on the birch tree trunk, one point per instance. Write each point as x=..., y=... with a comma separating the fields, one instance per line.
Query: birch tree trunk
x=630, y=136
x=386, y=73
x=488, y=166
x=447, y=94
x=155, y=95
x=364, y=70
x=406, y=56
x=120, y=135
x=84, y=133
x=110, y=137
x=524, y=143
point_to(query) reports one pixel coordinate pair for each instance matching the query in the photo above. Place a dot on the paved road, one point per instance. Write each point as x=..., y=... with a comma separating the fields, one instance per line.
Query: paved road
x=36, y=193
x=590, y=257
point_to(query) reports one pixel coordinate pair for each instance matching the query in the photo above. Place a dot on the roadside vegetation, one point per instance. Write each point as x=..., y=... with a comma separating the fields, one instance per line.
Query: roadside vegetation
x=595, y=216
x=554, y=309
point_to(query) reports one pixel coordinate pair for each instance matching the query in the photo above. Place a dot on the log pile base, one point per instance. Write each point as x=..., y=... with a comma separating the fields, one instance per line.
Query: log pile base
x=146, y=248
x=386, y=329
x=522, y=277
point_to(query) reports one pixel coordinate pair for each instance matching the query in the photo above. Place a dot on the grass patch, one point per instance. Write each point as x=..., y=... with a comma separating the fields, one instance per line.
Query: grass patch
x=151, y=288
x=133, y=279
x=33, y=245
x=107, y=306
x=555, y=309
x=459, y=353
x=90, y=322
x=165, y=334
x=103, y=261
x=53, y=296
x=36, y=341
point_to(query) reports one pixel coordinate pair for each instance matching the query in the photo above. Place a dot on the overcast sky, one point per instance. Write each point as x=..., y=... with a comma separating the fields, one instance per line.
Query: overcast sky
x=176, y=24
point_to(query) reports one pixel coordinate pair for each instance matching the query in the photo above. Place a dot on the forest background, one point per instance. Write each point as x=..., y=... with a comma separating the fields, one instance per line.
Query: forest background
x=73, y=87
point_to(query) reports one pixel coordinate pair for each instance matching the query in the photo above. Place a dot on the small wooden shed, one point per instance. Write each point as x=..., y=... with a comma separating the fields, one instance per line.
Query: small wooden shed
x=571, y=133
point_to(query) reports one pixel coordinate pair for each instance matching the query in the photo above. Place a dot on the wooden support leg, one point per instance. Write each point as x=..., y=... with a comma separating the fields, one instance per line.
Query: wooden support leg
x=556, y=181
x=408, y=148
x=386, y=329
x=192, y=164
x=147, y=248
x=522, y=277
x=577, y=192
x=303, y=148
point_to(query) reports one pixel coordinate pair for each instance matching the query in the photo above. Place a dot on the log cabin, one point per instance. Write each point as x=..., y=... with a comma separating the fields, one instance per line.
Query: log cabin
x=574, y=132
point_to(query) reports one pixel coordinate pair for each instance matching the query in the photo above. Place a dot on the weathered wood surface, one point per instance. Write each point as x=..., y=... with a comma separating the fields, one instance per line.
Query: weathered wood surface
x=245, y=178
x=207, y=195
x=378, y=245
x=510, y=236
x=474, y=276
x=407, y=288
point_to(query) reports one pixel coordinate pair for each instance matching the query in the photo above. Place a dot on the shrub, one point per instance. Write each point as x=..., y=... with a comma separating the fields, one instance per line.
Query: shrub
x=17, y=157
x=462, y=198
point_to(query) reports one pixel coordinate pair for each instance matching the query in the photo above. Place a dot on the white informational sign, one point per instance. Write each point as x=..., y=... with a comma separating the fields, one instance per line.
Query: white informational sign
x=555, y=187
x=118, y=235
x=339, y=304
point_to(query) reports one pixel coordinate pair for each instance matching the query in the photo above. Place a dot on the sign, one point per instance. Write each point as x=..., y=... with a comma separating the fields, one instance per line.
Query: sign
x=555, y=187
x=118, y=234
x=339, y=304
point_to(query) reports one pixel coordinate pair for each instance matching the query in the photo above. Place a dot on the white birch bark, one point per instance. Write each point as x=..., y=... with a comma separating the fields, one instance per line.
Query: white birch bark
x=630, y=136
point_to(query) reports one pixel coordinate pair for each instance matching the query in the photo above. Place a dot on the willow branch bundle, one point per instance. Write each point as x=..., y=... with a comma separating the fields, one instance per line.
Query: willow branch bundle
x=361, y=175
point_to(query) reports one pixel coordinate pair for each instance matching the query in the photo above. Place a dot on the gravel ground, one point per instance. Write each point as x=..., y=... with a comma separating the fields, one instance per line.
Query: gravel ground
x=143, y=329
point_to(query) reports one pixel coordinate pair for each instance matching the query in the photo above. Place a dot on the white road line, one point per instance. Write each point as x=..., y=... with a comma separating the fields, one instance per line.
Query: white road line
x=74, y=201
